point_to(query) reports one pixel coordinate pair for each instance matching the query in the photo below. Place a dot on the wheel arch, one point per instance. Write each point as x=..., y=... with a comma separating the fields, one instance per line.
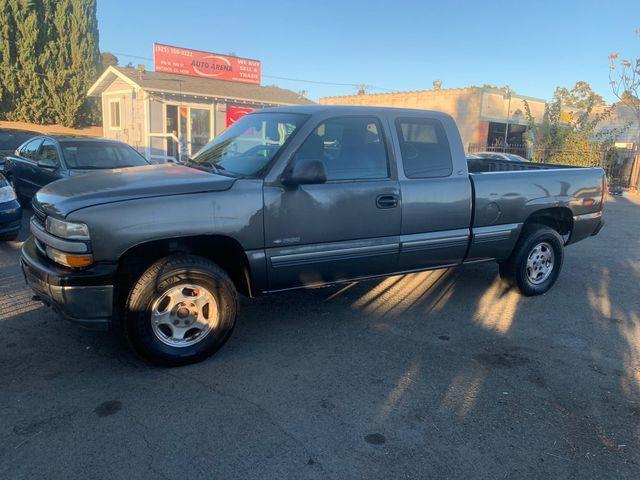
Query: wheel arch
x=225, y=251
x=559, y=219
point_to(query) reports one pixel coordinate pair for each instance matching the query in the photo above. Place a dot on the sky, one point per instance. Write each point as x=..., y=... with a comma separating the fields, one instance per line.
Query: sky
x=532, y=46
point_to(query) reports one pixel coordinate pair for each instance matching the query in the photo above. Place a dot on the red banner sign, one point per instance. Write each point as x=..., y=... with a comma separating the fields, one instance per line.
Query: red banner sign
x=236, y=113
x=204, y=64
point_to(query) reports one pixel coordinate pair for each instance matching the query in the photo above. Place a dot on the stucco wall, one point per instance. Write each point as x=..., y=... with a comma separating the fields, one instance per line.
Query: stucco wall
x=471, y=108
x=495, y=106
x=621, y=122
x=462, y=104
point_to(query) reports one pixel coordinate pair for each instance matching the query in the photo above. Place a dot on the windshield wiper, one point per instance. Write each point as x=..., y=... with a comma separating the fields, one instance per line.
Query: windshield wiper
x=205, y=166
x=211, y=167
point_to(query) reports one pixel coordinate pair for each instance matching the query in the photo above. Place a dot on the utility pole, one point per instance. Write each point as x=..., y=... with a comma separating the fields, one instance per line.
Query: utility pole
x=507, y=95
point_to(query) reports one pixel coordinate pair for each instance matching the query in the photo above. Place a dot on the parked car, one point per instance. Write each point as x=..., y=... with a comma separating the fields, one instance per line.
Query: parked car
x=509, y=157
x=287, y=198
x=44, y=159
x=10, y=140
x=10, y=212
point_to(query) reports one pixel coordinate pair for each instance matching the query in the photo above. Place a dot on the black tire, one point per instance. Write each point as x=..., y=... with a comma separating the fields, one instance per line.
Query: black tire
x=514, y=270
x=159, y=279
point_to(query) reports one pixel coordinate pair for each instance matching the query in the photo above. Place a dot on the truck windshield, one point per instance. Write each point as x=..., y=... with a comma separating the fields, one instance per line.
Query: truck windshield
x=87, y=155
x=248, y=146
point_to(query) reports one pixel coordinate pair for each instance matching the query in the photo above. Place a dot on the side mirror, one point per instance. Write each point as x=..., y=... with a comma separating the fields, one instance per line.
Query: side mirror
x=305, y=171
x=47, y=163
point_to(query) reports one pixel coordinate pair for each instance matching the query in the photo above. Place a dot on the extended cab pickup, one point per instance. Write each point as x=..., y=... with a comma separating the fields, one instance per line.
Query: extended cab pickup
x=293, y=197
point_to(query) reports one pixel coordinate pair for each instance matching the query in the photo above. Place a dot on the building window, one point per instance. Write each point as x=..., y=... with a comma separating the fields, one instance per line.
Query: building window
x=114, y=114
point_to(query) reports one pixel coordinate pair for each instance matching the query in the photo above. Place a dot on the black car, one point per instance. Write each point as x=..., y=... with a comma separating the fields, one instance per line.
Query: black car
x=11, y=139
x=44, y=159
x=508, y=157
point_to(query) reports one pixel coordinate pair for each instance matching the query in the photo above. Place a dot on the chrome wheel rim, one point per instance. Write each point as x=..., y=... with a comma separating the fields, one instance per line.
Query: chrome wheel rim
x=184, y=315
x=540, y=263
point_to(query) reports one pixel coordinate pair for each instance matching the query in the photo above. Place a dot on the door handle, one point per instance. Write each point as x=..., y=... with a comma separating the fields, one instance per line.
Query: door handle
x=387, y=201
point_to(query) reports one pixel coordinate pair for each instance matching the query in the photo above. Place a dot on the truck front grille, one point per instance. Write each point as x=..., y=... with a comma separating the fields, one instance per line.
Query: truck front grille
x=38, y=215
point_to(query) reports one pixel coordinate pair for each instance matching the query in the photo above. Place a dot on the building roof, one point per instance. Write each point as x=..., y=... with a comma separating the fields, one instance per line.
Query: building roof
x=430, y=92
x=347, y=109
x=162, y=82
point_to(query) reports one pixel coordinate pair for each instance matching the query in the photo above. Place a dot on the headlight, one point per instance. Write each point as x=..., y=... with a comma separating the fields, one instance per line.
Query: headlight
x=7, y=194
x=68, y=230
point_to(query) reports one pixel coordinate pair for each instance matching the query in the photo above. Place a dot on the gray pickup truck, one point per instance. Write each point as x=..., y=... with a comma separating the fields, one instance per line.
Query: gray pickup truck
x=293, y=197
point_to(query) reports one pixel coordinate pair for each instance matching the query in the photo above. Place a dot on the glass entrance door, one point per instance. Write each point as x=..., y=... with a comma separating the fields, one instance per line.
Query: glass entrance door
x=191, y=126
x=200, y=131
x=184, y=132
x=172, y=128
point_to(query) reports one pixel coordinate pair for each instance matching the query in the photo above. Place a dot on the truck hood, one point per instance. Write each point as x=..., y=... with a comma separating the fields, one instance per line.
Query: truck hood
x=106, y=186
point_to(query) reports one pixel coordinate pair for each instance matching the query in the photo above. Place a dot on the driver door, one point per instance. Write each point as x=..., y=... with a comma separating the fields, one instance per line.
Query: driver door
x=24, y=168
x=44, y=175
x=344, y=228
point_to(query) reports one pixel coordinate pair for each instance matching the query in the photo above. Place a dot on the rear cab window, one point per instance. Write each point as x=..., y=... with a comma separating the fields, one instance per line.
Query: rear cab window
x=351, y=148
x=424, y=147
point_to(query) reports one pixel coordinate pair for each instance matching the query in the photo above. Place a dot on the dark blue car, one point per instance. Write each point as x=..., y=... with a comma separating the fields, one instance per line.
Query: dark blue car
x=10, y=212
x=10, y=139
x=44, y=159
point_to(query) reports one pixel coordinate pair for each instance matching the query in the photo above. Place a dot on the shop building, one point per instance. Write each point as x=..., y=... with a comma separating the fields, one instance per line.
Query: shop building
x=167, y=116
x=483, y=115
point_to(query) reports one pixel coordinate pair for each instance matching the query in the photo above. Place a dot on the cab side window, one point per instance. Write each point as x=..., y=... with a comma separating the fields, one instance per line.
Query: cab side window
x=30, y=150
x=351, y=148
x=48, y=152
x=424, y=147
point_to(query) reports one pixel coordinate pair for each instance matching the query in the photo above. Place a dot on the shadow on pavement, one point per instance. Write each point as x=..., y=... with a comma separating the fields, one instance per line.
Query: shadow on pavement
x=436, y=374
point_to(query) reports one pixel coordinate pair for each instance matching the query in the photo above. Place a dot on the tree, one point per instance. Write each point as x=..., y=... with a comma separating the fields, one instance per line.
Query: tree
x=108, y=60
x=8, y=74
x=624, y=77
x=504, y=88
x=581, y=96
x=574, y=143
x=30, y=102
x=73, y=51
x=49, y=58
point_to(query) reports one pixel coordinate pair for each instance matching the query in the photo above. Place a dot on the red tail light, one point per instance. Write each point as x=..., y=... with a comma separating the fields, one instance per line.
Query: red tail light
x=604, y=189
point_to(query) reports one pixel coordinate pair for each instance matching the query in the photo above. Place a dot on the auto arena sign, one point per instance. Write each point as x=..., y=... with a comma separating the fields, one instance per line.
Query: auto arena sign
x=205, y=64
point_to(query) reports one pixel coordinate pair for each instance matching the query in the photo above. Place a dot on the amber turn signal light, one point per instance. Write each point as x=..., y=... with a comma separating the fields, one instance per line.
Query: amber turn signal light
x=68, y=259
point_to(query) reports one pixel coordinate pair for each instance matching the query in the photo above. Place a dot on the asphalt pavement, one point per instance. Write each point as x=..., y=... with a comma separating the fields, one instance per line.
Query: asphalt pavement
x=443, y=374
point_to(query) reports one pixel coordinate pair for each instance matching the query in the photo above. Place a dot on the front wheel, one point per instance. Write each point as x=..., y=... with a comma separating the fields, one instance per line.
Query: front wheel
x=536, y=261
x=181, y=310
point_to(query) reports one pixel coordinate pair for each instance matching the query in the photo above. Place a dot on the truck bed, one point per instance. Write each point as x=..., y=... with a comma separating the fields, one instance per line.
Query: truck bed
x=504, y=199
x=485, y=165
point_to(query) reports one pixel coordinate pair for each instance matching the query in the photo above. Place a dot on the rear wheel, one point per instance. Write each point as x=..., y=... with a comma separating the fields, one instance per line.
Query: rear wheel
x=181, y=310
x=536, y=261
